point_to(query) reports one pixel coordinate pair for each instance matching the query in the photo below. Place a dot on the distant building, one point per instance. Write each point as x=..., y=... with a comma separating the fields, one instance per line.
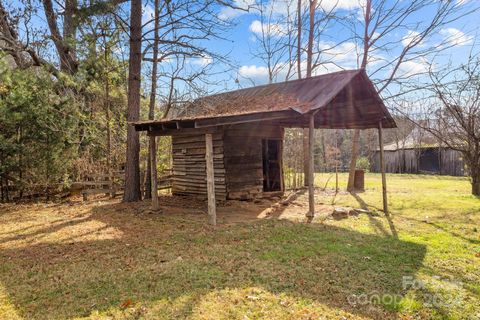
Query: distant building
x=420, y=152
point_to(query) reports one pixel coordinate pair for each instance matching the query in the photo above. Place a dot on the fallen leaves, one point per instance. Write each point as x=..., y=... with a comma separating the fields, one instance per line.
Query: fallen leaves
x=126, y=304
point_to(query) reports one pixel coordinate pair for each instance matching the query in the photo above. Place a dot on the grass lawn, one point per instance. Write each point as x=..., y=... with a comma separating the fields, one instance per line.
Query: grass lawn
x=107, y=260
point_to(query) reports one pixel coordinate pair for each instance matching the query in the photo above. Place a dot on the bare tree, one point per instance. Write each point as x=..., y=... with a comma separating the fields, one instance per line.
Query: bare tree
x=64, y=44
x=177, y=52
x=382, y=18
x=299, y=39
x=452, y=107
x=270, y=34
x=21, y=51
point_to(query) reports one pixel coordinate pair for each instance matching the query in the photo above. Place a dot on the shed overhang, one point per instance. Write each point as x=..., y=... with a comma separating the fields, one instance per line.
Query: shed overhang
x=345, y=99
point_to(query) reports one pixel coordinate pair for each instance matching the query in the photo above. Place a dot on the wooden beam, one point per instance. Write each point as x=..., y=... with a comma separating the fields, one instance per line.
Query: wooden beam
x=280, y=160
x=183, y=131
x=153, y=171
x=311, y=190
x=382, y=168
x=212, y=210
x=246, y=118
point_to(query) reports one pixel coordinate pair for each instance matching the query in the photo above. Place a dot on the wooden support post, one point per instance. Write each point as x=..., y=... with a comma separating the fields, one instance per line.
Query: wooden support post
x=153, y=171
x=382, y=168
x=311, y=190
x=212, y=210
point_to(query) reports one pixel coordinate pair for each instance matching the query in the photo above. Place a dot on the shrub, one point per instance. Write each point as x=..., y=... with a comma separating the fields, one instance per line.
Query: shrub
x=363, y=163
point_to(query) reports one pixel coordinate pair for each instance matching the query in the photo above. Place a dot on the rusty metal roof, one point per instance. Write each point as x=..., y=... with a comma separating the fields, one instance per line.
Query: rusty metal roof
x=345, y=99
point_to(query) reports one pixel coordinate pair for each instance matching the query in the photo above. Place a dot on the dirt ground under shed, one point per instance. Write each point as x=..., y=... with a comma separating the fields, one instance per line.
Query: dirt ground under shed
x=236, y=211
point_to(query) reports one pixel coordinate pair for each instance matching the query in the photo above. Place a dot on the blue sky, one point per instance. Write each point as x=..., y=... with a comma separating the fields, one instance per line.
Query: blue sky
x=240, y=42
x=458, y=36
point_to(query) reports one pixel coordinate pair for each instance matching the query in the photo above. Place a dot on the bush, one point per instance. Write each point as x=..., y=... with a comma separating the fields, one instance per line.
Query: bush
x=363, y=164
x=38, y=124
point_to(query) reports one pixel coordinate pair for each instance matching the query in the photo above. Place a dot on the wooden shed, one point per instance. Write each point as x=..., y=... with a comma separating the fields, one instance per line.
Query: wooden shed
x=245, y=128
x=246, y=157
x=421, y=160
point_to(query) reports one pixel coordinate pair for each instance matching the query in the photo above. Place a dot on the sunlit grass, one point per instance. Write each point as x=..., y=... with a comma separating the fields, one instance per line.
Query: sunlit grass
x=112, y=261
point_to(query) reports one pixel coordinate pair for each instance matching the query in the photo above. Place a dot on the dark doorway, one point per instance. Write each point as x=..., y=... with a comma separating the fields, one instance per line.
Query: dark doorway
x=429, y=161
x=272, y=172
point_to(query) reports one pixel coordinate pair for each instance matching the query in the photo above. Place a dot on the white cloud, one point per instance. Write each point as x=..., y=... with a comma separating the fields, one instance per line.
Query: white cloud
x=272, y=29
x=328, y=5
x=202, y=61
x=455, y=37
x=281, y=7
x=344, y=55
x=253, y=71
x=411, y=36
x=334, y=58
x=413, y=67
x=227, y=13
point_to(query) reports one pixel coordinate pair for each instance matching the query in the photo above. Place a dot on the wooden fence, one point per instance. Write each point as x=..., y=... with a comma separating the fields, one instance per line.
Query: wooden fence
x=113, y=184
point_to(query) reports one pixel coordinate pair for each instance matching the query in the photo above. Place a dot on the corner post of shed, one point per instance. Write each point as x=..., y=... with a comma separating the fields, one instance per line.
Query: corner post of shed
x=212, y=210
x=153, y=170
x=311, y=190
x=382, y=168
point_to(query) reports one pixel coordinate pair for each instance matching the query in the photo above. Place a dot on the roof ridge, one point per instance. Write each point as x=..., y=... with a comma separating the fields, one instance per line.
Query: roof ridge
x=279, y=83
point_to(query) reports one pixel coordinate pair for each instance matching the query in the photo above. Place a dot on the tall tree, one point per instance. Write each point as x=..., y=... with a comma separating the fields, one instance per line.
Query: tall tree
x=271, y=45
x=356, y=133
x=299, y=39
x=153, y=95
x=132, y=164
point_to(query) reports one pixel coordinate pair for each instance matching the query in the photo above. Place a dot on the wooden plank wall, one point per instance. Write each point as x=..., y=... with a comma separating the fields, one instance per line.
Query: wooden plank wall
x=243, y=157
x=451, y=162
x=407, y=161
x=189, y=166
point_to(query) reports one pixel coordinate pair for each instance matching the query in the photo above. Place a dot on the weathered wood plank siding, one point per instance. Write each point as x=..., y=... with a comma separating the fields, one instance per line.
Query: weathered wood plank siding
x=189, y=165
x=420, y=160
x=243, y=157
x=452, y=162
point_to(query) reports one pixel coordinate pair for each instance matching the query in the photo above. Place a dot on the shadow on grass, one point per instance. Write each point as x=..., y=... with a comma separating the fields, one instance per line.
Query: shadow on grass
x=375, y=223
x=161, y=257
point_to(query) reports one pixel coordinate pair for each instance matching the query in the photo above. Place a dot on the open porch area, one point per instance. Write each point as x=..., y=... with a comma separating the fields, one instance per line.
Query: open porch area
x=229, y=145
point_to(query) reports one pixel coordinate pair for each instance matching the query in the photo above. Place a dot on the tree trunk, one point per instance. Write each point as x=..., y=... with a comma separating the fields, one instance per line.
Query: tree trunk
x=132, y=170
x=353, y=160
x=66, y=52
x=106, y=105
x=299, y=39
x=311, y=171
x=356, y=135
x=476, y=187
x=312, y=6
x=151, y=106
x=475, y=171
x=305, y=156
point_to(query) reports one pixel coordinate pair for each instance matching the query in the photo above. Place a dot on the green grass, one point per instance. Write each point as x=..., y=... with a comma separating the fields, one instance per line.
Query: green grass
x=112, y=261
